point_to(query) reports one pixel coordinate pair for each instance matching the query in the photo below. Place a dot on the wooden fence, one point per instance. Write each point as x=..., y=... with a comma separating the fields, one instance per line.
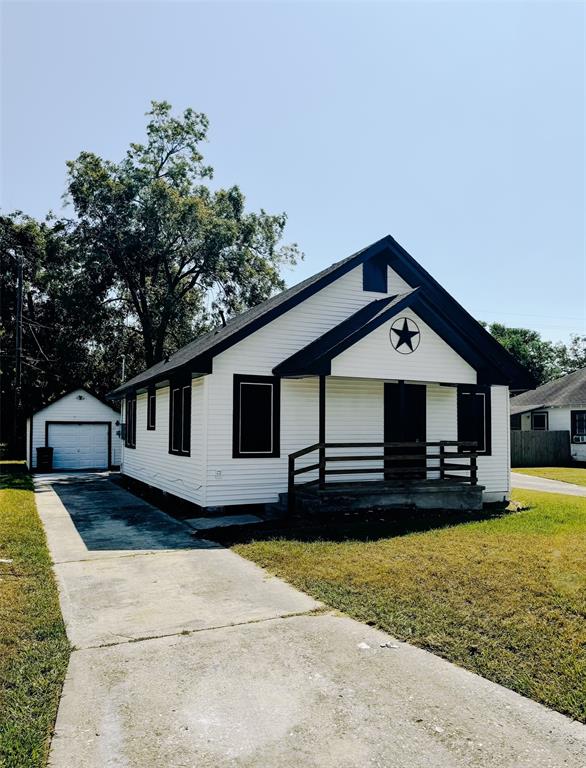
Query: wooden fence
x=540, y=449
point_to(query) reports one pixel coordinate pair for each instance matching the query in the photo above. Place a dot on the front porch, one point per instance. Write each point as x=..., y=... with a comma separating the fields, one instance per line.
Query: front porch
x=428, y=475
x=406, y=469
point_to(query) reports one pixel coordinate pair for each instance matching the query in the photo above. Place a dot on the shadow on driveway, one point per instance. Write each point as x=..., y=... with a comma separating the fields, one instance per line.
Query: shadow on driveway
x=108, y=517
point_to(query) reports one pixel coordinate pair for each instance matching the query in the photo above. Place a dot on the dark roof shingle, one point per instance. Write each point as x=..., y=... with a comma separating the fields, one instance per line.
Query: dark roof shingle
x=569, y=390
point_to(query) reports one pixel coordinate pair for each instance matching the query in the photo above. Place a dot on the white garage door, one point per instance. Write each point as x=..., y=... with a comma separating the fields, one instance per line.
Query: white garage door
x=79, y=446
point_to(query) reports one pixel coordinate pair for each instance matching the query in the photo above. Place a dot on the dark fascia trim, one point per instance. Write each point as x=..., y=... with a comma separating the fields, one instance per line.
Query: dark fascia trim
x=203, y=363
x=317, y=360
x=414, y=274
x=203, y=367
x=316, y=357
x=519, y=378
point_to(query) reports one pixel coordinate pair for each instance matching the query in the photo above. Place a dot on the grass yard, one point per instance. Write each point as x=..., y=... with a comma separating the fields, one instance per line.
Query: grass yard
x=33, y=646
x=504, y=597
x=576, y=475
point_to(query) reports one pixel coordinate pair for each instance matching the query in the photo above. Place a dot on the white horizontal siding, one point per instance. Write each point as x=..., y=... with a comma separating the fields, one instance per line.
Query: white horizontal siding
x=151, y=462
x=71, y=408
x=494, y=471
x=355, y=403
x=433, y=360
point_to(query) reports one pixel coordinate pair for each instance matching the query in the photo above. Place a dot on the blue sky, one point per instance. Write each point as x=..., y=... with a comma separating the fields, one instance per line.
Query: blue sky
x=459, y=128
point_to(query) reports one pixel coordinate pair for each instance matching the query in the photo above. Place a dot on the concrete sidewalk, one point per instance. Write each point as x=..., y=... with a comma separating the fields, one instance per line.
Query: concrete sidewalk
x=192, y=656
x=532, y=483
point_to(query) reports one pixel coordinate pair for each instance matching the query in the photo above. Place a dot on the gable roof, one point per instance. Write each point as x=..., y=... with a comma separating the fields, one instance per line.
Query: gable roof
x=569, y=390
x=70, y=391
x=316, y=356
x=197, y=356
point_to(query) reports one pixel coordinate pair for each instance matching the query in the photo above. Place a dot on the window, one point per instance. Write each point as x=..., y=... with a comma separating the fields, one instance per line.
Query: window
x=130, y=439
x=374, y=275
x=180, y=417
x=516, y=421
x=474, y=418
x=256, y=417
x=539, y=421
x=152, y=408
x=578, y=426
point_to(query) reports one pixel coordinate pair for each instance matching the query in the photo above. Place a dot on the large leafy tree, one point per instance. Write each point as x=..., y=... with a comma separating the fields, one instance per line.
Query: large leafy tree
x=72, y=334
x=151, y=256
x=544, y=359
x=178, y=254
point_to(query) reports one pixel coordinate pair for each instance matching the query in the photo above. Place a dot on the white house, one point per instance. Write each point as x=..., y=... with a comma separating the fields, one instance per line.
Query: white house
x=556, y=405
x=371, y=350
x=83, y=431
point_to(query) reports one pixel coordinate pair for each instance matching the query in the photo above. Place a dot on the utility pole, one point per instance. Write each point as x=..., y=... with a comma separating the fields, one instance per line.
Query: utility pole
x=18, y=357
x=18, y=335
x=123, y=358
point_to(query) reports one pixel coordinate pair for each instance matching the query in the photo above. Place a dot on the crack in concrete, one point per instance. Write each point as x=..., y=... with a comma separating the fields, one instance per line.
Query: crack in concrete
x=144, y=553
x=320, y=611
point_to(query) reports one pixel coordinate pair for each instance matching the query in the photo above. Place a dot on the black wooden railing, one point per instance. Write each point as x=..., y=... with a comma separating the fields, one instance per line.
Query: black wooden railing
x=410, y=466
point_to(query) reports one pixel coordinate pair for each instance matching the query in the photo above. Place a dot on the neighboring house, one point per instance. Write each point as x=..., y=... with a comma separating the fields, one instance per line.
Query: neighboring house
x=83, y=431
x=371, y=349
x=557, y=405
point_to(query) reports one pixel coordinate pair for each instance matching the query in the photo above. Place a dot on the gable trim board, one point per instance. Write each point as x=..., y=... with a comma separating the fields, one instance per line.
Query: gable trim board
x=316, y=358
x=197, y=357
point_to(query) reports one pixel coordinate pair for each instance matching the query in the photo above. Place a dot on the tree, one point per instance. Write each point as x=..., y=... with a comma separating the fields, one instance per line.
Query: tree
x=72, y=334
x=544, y=359
x=178, y=255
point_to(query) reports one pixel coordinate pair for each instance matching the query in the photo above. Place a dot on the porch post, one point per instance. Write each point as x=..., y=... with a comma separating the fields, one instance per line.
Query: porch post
x=322, y=431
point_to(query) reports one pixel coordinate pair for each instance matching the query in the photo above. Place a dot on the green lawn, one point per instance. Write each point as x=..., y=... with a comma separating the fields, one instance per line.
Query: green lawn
x=504, y=597
x=575, y=475
x=33, y=646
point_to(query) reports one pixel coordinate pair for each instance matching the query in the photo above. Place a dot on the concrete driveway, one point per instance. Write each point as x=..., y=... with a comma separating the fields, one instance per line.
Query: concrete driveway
x=531, y=483
x=192, y=656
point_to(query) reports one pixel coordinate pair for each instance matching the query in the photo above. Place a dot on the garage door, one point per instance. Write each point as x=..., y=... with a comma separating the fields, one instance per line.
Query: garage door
x=79, y=446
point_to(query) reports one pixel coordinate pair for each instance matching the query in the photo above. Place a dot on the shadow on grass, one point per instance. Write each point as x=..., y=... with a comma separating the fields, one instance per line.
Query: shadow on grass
x=361, y=525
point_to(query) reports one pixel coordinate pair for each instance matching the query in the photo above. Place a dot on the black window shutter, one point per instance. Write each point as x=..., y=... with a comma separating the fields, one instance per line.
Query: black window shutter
x=256, y=417
x=475, y=417
x=152, y=408
x=186, y=419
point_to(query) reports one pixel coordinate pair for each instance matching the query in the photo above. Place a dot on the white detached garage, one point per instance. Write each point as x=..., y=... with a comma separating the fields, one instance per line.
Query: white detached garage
x=83, y=431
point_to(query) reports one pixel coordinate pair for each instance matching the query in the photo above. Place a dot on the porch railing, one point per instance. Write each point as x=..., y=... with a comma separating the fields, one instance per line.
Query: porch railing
x=451, y=456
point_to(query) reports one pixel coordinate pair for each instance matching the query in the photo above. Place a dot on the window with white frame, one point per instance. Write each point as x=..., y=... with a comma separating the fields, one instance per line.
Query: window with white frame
x=539, y=421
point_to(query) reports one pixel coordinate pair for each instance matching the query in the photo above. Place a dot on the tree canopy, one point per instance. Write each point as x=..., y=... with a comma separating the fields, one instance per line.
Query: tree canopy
x=544, y=359
x=151, y=256
x=178, y=254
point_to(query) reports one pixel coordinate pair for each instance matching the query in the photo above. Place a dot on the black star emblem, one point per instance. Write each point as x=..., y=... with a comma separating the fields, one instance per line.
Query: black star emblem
x=405, y=336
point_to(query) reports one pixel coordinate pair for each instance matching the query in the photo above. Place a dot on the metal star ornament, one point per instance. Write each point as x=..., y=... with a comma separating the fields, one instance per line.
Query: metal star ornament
x=405, y=335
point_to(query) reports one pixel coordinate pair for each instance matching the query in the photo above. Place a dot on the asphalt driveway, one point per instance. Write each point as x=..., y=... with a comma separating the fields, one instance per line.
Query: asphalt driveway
x=188, y=655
